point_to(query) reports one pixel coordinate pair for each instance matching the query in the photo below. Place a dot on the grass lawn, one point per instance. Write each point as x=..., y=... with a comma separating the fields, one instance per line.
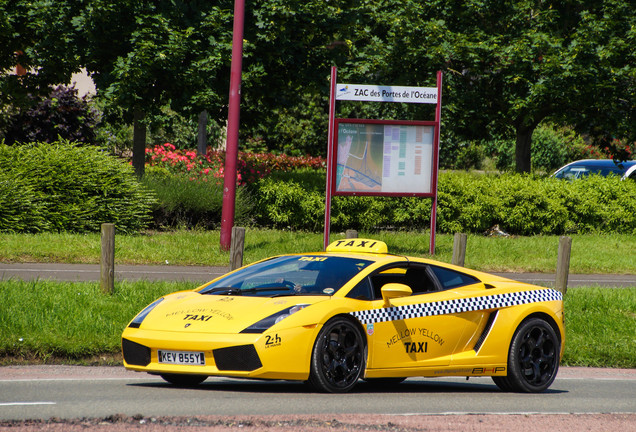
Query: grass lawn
x=612, y=253
x=71, y=322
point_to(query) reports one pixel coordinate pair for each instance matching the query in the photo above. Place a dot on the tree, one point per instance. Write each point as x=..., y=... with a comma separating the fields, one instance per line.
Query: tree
x=510, y=65
x=146, y=55
x=34, y=34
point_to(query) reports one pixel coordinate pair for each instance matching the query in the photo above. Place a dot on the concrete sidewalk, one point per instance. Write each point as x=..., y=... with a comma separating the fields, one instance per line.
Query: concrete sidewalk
x=200, y=274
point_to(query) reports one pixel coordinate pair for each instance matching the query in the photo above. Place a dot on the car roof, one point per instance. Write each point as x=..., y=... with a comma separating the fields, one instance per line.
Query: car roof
x=603, y=163
x=600, y=166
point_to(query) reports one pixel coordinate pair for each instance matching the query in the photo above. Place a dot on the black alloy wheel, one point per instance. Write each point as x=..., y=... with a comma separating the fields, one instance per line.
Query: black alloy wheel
x=339, y=357
x=533, y=360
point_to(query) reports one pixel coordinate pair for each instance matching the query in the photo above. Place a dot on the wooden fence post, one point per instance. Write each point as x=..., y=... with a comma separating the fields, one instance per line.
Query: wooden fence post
x=459, y=249
x=350, y=234
x=563, y=264
x=236, y=248
x=107, y=262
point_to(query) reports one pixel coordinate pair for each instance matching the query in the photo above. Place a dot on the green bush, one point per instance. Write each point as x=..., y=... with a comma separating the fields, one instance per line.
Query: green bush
x=191, y=203
x=21, y=210
x=467, y=202
x=286, y=204
x=61, y=115
x=62, y=187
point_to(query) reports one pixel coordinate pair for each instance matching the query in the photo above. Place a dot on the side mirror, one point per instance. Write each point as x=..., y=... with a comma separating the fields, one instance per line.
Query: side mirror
x=395, y=290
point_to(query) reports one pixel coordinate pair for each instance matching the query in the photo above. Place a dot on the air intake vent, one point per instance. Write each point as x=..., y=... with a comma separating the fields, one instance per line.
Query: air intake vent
x=482, y=337
x=237, y=358
x=134, y=353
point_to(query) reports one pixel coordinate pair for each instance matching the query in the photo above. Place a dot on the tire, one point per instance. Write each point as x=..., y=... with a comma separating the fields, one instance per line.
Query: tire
x=533, y=359
x=184, y=380
x=338, y=358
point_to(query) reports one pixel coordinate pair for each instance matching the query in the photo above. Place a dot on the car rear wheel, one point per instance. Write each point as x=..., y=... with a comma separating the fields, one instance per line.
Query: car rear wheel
x=338, y=358
x=533, y=359
x=184, y=380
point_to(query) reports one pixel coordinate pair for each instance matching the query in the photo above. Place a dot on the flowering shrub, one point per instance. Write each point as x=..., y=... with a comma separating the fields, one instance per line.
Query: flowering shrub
x=250, y=166
x=614, y=148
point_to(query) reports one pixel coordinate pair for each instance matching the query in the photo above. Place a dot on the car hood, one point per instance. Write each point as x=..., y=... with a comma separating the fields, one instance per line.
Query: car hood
x=217, y=313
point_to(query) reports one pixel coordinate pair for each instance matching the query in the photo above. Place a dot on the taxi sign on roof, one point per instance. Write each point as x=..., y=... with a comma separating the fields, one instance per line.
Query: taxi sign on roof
x=358, y=245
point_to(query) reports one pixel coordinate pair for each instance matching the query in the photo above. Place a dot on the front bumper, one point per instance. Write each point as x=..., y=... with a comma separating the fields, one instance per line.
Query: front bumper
x=283, y=354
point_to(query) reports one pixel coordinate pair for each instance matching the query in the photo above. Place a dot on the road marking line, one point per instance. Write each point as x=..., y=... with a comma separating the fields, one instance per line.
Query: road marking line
x=78, y=379
x=25, y=403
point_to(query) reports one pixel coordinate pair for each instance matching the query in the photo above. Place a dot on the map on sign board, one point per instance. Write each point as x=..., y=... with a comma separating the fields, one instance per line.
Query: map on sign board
x=384, y=158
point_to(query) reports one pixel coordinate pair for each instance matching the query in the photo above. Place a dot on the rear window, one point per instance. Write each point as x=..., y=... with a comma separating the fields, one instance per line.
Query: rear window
x=452, y=279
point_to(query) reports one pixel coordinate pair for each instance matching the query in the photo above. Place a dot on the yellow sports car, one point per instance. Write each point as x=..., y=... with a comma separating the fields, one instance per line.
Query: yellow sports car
x=352, y=312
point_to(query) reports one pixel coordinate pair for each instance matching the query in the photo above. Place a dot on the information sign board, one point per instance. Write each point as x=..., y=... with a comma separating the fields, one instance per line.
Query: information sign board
x=376, y=93
x=383, y=157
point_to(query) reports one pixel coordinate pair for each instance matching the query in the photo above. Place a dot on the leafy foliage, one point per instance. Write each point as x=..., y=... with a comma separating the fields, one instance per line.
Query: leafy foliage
x=182, y=202
x=552, y=147
x=519, y=204
x=62, y=187
x=508, y=66
x=62, y=115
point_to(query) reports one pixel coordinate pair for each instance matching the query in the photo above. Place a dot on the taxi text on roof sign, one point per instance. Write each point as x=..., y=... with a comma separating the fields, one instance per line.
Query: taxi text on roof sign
x=358, y=245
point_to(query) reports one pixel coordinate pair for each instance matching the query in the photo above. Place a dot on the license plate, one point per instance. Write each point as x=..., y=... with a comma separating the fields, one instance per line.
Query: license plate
x=181, y=357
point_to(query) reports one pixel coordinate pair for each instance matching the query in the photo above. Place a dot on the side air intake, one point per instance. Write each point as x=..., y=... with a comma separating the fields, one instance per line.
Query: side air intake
x=237, y=358
x=134, y=353
x=484, y=334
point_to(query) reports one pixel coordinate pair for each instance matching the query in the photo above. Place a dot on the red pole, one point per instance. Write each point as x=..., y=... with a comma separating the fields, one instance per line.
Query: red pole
x=231, y=153
x=330, y=147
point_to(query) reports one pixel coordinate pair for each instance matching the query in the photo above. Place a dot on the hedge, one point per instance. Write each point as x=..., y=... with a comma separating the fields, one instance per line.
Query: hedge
x=467, y=202
x=182, y=202
x=62, y=187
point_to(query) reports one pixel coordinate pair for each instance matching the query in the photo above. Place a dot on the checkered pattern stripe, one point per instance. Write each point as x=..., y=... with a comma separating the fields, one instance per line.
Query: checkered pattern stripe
x=456, y=306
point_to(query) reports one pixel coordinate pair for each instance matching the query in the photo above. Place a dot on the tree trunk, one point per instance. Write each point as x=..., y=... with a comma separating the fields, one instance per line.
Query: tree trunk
x=202, y=144
x=139, y=143
x=523, y=148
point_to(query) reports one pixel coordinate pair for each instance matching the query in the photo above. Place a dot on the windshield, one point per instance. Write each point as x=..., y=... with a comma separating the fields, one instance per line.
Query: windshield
x=289, y=275
x=579, y=171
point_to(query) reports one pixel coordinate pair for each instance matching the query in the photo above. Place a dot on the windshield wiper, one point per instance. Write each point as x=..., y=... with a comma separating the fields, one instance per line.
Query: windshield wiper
x=223, y=290
x=239, y=291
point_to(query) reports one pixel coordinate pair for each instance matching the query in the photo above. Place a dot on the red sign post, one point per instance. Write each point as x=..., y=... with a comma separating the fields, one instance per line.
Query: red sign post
x=383, y=157
x=234, y=108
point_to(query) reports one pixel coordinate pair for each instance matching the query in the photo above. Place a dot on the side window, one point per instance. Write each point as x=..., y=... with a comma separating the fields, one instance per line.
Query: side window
x=451, y=278
x=362, y=291
x=390, y=275
x=416, y=277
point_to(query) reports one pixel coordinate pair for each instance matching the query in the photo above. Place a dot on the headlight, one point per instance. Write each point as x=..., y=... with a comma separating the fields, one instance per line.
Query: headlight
x=135, y=323
x=266, y=323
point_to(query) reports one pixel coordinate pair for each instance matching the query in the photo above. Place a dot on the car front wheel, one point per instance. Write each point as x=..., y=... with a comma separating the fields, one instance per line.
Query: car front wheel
x=338, y=357
x=533, y=359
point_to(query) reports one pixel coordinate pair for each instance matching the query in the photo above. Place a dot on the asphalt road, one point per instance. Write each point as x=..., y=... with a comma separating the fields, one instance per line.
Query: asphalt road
x=91, y=272
x=66, y=392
